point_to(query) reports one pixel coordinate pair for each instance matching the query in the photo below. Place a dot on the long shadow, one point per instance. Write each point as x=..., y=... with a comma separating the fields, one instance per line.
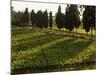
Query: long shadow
x=27, y=37
x=15, y=32
x=33, y=42
x=41, y=59
x=69, y=48
x=80, y=35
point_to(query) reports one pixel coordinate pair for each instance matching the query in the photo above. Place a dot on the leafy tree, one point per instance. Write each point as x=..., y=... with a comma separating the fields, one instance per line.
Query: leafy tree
x=67, y=18
x=69, y=21
x=25, y=17
x=76, y=17
x=33, y=18
x=39, y=19
x=85, y=19
x=45, y=19
x=13, y=17
x=72, y=19
x=16, y=17
x=93, y=17
x=59, y=18
x=89, y=19
x=50, y=20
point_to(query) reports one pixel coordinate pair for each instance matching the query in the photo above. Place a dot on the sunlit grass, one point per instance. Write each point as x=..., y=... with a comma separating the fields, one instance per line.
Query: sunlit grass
x=28, y=47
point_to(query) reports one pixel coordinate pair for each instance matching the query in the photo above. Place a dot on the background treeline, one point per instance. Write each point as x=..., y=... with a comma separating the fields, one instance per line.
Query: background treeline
x=69, y=20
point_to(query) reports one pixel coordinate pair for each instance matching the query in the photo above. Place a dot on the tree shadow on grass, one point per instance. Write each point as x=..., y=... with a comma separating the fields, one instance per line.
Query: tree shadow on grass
x=21, y=31
x=56, y=55
x=39, y=57
x=31, y=42
x=66, y=50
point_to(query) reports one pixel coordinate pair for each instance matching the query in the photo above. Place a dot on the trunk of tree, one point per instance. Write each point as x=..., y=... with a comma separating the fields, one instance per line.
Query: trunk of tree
x=86, y=34
x=50, y=29
x=76, y=30
x=73, y=32
x=60, y=31
x=91, y=32
x=32, y=27
x=69, y=33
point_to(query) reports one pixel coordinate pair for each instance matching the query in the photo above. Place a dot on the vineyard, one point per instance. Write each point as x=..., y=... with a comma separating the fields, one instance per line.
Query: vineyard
x=35, y=50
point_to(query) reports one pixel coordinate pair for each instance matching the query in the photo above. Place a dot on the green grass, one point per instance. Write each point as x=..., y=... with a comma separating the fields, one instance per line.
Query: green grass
x=33, y=49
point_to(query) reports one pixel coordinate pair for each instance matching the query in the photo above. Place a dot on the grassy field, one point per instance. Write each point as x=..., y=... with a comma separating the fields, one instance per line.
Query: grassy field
x=42, y=51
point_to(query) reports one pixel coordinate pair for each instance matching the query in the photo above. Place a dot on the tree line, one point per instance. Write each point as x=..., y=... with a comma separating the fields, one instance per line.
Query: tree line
x=69, y=20
x=39, y=19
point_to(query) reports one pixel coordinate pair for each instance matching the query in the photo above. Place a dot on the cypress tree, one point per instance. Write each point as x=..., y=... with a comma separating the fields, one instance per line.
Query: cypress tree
x=33, y=18
x=50, y=20
x=25, y=17
x=67, y=18
x=72, y=18
x=45, y=19
x=93, y=19
x=59, y=18
x=39, y=19
x=76, y=17
x=16, y=17
x=89, y=19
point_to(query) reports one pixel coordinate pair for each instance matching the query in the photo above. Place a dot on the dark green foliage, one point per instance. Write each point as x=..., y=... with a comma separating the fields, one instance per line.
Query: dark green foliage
x=59, y=18
x=76, y=17
x=85, y=19
x=25, y=17
x=16, y=18
x=69, y=18
x=93, y=15
x=33, y=18
x=50, y=20
x=45, y=19
x=39, y=19
x=67, y=21
x=72, y=17
x=89, y=18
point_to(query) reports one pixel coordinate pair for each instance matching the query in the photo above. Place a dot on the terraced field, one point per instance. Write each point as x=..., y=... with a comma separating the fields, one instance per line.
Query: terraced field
x=42, y=51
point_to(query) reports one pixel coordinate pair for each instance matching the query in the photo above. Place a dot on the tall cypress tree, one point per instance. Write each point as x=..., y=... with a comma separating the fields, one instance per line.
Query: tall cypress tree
x=72, y=19
x=71, y=15
x=25, y=17
x=33, y=18
x=85, y=19
x=93, y=19
x=39, y=19
x=50, y=20
x=59, y=18
x=45, y=19
x=67, y=18
x=16, y=17
x=76, y=17
x=89, y=19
